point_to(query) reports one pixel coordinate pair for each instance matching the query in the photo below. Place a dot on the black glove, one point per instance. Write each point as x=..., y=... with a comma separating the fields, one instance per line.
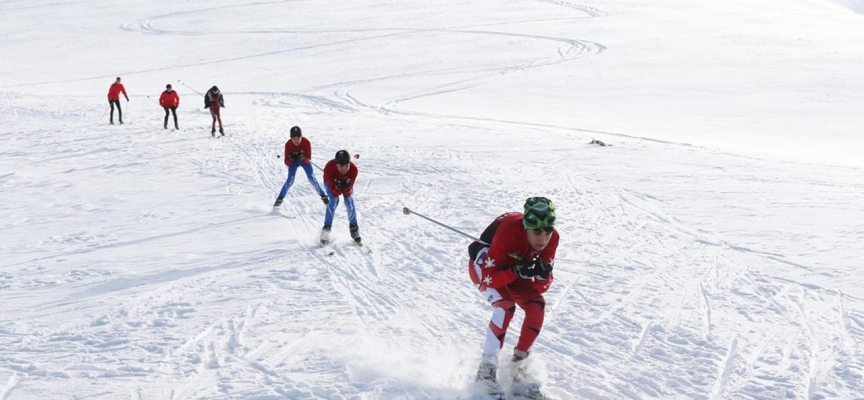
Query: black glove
x=343, y=183
x=527, y=269
x=545, y=270
x=295, y=156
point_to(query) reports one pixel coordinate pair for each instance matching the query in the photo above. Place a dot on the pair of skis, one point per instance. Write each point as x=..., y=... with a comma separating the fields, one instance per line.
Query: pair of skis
x=522, y=391
x=327, y=246
x=500, y=395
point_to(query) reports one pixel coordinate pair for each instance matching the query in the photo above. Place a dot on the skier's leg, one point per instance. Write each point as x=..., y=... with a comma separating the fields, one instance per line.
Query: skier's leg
x=219, y=117
x=174, y=111
x=292, y=170
x=331, y=207
x=213, y=125
x=167, y=111
x=119, y=112
x=352, y=212
x=111, y=117
x=535, y=311
x=503, y=309
x=524, y=384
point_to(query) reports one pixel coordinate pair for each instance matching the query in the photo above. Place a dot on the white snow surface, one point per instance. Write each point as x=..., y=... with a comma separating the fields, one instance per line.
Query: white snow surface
x=713, y=251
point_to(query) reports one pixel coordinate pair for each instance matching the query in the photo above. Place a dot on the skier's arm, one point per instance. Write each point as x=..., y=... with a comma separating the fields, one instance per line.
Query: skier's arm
x=548, y=257
x=328, y=178
x=287, y=158
x=498, y=271
x=307, y=151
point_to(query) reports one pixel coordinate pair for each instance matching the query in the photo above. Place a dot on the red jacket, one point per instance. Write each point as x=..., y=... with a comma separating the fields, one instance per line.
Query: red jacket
x=332, y=174
x=304, y=149
x=115, y=90
x=509, y=244
x=169, y=99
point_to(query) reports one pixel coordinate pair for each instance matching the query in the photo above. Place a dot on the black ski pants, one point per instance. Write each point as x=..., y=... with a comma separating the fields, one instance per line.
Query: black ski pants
x=171, y=110
x=119, y=111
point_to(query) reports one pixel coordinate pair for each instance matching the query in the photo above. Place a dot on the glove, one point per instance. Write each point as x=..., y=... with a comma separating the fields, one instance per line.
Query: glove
x=343, y=184
x=527, y=269
x=296, y=156
x=545, y=270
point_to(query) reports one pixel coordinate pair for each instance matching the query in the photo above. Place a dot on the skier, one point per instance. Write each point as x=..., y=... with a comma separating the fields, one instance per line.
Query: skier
x=214, y=101
x=298, y=153
x=114, y=99
x=339, y=176
x=515, y=269
x=169, y=100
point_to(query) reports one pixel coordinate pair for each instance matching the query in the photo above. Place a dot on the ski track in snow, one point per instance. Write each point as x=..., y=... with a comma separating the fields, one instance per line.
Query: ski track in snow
x=169, y=330
x=646, y=303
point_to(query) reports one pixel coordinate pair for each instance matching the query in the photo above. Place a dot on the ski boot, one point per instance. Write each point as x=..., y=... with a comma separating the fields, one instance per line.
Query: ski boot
x=213, y=132
x=523, y=384
x=355, y=232
x=221, y=131
x=325, y=234
x=487, y=378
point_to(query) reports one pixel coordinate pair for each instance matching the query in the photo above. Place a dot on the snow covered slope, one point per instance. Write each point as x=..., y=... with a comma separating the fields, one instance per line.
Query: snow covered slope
x=712, y=252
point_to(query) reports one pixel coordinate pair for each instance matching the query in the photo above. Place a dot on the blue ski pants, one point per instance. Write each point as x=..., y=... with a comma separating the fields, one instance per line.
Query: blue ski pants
x=292, y=170
x=334, y=202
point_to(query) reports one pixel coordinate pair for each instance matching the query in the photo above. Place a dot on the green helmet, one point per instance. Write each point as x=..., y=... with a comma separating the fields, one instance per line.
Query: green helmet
x=539, y=213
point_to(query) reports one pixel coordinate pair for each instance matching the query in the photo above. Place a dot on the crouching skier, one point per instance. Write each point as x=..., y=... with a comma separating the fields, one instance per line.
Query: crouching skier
x=514, y=269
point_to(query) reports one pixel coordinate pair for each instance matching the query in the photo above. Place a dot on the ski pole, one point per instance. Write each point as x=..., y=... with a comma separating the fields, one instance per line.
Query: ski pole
x=407, y=211
x=154, y=101
x=316, y=165
x=190, y=87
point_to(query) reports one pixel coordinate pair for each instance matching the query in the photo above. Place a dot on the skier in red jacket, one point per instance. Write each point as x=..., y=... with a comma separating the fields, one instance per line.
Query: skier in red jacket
x=169, y=100
x=514, y=269
x=214, y=101
x=114, y=99
x=298, y=153
x=339, y=177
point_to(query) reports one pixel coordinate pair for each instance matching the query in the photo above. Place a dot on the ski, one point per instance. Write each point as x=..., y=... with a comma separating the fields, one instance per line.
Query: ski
x=325, y=244
x=277, y=210
x=366, y=249
x=533, y=393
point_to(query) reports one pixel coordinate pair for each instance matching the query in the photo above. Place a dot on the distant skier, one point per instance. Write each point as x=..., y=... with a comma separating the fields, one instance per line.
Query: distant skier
x=339, y=177
x=114, y=99
x=169, y=100
x=214, y=101
x=514, y=270
x=298, y=153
